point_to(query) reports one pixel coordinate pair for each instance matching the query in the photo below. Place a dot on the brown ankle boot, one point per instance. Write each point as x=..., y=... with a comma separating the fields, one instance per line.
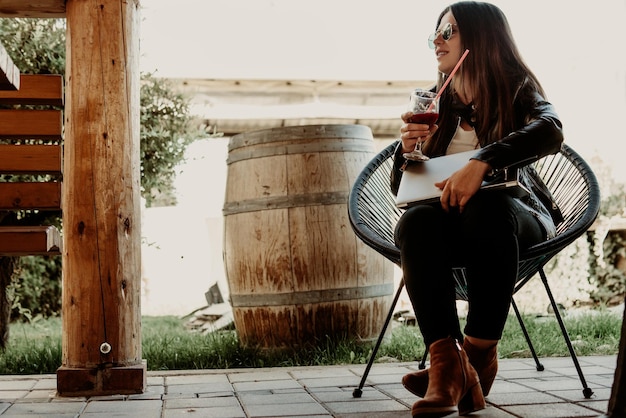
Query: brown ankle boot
x=485, y=363
x=451, y=379
x=416, y=382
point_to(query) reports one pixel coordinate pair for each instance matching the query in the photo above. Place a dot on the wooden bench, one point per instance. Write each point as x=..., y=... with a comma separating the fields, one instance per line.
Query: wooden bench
x=30, y=164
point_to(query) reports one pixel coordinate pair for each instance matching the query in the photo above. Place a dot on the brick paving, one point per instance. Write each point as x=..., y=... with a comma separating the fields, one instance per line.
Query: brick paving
x=325, y=391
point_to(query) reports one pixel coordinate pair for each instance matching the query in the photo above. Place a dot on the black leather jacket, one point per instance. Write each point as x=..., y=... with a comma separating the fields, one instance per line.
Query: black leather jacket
x=539, y=134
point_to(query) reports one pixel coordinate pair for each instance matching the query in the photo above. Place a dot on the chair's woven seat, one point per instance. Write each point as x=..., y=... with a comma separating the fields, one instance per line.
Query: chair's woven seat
x=373, y=215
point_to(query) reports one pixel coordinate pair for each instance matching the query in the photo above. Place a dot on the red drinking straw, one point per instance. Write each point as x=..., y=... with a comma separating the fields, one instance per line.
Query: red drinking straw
x=456, y=67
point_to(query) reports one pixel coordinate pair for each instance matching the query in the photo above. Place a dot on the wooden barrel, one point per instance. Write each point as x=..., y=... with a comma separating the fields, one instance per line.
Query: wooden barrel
x=295, y=269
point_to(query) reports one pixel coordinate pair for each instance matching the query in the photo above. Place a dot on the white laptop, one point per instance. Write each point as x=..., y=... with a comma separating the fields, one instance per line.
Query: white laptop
x=418, y=180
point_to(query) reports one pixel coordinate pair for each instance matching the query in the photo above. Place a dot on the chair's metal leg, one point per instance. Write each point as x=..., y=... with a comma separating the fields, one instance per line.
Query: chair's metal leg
x=538, y=364
x=422, y=364
x=587, y=392
x=356, y=393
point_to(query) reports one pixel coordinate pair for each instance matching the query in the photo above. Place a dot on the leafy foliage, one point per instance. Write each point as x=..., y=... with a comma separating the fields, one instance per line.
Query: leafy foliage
x=592, y=269
x=37, y=291
x=37, y=46
x=166, y=131
x=609, y=245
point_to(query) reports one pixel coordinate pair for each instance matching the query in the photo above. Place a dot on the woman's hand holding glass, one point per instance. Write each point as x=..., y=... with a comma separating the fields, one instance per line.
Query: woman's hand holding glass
x=412, y=133
x=423, y=110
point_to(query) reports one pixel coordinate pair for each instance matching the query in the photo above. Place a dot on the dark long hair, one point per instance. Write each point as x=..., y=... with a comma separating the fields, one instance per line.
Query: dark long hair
x=494, y=70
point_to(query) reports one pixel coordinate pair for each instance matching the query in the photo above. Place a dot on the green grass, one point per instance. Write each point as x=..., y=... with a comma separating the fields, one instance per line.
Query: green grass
x=35, y=347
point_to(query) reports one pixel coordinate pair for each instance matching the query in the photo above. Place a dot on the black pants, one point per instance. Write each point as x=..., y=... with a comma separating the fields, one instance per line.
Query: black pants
x=485, y=239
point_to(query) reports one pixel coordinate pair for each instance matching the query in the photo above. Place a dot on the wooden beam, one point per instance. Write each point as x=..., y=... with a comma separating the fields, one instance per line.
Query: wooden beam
x=36, y=90
x=32, y=8
x=101, y=348
x=35, y=240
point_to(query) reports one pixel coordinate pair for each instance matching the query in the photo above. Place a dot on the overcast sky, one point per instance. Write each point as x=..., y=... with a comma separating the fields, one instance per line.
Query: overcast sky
x=357, y=39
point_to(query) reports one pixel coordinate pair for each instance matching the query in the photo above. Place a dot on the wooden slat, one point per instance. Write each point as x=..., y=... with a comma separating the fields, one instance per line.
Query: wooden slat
x=39, y=8
x=30, y=159
x=46, y=89
x=31, y=124
x=15, y=124
x=29, y=240
x=36, y=195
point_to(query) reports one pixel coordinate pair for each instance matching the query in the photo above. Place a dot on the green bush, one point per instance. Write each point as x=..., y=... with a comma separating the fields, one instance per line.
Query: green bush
x=167, y=129
x=37, y=46
x=590, y=272
x=608, y=245
x=37, y=288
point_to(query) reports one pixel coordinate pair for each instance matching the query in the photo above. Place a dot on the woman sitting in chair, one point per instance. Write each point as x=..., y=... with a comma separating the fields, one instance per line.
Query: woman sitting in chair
x=495, y=105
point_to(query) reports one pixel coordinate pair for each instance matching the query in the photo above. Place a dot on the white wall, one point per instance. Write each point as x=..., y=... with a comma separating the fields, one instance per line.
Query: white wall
x=182, y=245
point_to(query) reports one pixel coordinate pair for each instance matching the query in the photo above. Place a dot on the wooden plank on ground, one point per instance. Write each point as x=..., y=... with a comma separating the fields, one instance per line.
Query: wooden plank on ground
x=33, y=195
x=30, y=159
x=29, y=240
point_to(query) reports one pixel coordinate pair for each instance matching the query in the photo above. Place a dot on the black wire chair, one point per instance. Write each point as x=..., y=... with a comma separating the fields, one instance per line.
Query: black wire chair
x=373, y=216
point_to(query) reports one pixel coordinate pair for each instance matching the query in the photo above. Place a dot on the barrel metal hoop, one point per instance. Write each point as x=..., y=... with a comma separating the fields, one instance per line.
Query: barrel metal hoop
x=291, y=148
x=299, y=133
x=285, y=202
x=311, y=296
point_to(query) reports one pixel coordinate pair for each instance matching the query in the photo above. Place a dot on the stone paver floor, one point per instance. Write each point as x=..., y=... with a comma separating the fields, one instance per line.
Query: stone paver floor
x=519, y=391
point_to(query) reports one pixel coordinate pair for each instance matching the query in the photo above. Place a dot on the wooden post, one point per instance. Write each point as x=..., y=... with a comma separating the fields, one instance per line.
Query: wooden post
x=617, y=402
x=101, y=202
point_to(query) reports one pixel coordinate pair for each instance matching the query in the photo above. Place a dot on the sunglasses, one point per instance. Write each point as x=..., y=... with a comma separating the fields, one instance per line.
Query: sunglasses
x=446, y=33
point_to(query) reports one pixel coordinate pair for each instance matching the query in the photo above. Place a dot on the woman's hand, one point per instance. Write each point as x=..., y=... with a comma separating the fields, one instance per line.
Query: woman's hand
x=462, y=185
x=410, y=133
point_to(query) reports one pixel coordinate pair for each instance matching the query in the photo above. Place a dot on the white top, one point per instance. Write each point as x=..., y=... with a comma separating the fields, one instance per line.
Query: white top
x=463, y=141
